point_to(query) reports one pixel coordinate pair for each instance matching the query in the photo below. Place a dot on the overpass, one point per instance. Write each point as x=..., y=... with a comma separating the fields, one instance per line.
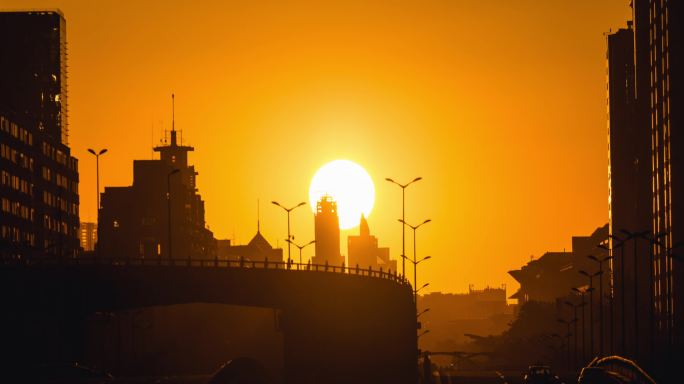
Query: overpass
x=339, y=324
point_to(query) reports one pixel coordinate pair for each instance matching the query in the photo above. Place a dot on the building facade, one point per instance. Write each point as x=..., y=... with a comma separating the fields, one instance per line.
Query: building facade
x=555, y=274
x=327, y=230
x=160, y=216
x=645, y=83
x=363, y=250
x=88, y=236
x=38, y=175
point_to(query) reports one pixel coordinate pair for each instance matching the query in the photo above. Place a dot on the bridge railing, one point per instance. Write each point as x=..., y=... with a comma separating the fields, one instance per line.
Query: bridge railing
x=240, y=263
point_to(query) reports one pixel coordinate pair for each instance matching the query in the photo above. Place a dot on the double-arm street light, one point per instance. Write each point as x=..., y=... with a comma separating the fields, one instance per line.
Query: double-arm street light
x=617, y=242
x=591, y=307
x=583, y=304
x=168, y=206
x=289, y=236
x=574, y=308
x=423, y=311
x=415, y=262
x=600, y=264
x=653, y=241
x=97, y=155
x=300, y=247
x=635, y=236
x=403, y=217
x=567, y=335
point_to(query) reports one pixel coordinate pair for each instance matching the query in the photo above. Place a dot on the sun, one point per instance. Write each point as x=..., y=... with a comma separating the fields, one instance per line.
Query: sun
x=349, y=185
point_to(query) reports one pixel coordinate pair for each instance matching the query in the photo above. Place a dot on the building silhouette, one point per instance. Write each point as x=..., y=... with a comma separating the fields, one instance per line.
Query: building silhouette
x=162, y=207
x=327, y=229
x=38, y=175
x=258, y=249
x=646, y=180
x=554, y=274
x=88, y=236
x=363, y=250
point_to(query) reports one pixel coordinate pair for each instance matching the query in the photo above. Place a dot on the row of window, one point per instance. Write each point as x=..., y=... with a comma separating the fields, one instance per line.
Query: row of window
x=16, y=131
x=17, y=209
x=60, y=226
x=59, y=156
x=16, y=183
x=59, y=179
x=16, y=235
x=11, y=154
x=61, y=203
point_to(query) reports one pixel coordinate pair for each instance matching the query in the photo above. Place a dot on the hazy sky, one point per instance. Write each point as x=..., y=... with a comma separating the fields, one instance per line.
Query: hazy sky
x=499, y=105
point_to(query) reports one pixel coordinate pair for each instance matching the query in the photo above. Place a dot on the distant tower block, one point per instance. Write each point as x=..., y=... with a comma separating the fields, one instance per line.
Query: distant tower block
x=327, y=233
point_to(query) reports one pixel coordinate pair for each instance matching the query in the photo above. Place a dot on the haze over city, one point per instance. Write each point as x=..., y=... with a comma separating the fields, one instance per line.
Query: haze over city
x=399, y=192
x=499, y=106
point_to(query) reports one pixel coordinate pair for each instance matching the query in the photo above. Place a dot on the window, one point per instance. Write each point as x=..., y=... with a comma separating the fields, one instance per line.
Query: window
x=115, y=224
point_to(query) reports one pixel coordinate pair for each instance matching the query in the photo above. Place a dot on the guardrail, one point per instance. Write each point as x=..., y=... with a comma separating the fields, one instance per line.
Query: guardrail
x=209, y=263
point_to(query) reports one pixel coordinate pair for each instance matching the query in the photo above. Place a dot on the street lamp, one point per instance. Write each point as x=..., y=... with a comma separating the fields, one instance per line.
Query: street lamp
x=582, y=292
x=300, y=247
x=600, y=264
x=423, y=311
x=567, y=335
x=288, y=210
x=620, y=243
x=423, y=333
x=415, y=262
x=591, y=307
x=97, y=155
x=403, y=217
x=574, y=307
x=635, y=236
x=654, y=241
x=168, y=206
x=424, y=286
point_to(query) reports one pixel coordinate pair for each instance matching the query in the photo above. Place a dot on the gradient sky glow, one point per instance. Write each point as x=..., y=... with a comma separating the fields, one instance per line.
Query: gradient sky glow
x=499, y=105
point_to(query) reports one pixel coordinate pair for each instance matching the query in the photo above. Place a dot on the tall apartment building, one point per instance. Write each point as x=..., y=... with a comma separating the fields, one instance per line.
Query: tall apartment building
x=38, y=175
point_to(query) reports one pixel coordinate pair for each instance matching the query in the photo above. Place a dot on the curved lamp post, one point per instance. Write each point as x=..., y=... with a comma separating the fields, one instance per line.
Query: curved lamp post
x=415, y=262
x=300, y=247
x=288, y=210
x=403, y=217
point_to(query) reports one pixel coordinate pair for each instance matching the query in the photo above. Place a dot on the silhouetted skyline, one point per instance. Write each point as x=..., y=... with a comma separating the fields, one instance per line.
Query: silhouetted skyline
x=420, y=90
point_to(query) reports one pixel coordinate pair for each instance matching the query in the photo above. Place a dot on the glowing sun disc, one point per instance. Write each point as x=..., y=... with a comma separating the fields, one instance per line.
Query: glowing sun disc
x=349, y=185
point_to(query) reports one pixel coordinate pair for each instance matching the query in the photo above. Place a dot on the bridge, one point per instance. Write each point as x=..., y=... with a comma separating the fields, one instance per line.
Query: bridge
x=340, y=324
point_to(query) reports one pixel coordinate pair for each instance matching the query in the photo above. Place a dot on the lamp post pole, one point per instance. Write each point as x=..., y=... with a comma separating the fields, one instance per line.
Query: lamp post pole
x=288, y=210
x=623, y=332
x=168, y=206
x=300, y=247
x=415, y=262
x=574, y=308
x=567, y=335
x=403, y=218
x=584, y=304
x=97, y=155
x=634, y=236
x=591, y=307
x=600, y=264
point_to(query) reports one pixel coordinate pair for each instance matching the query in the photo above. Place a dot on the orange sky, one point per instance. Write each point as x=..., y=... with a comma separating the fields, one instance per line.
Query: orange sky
x=499, y=105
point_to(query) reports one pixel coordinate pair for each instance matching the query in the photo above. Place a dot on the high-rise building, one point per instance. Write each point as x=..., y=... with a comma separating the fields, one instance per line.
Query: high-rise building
x=161, y=215
x=629, y=177
x=88, y=236
x=38, y=175
x=645, y=100
x=658, y=42
x=33, y=90
x=364, y=252
x=327, y=229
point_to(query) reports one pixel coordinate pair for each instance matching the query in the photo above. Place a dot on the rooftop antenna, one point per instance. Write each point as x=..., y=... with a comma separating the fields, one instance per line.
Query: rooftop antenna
x=258, y=216
x=173, y=112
